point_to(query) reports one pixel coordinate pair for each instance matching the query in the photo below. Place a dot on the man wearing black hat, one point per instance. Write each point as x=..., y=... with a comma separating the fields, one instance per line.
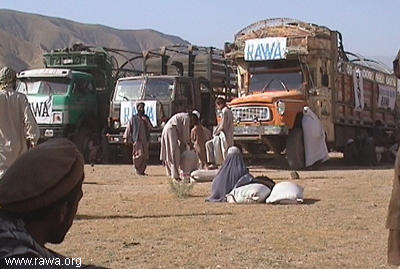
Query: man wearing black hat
x=38, y=205
x=138, y=134
x=17, y=123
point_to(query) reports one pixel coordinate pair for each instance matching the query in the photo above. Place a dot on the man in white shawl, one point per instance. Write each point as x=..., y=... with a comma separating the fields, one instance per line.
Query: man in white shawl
x=217, y=147
x=17, y=123
x=175, y=139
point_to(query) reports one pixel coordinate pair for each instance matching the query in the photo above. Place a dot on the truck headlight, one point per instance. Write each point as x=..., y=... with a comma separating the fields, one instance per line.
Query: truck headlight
x=281, y=107
x=117, y=124
x=57, y=117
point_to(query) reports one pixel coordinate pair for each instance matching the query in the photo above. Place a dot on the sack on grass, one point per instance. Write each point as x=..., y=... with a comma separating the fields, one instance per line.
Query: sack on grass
x=286, y=193
x=248, y=194
x=203, y=175
x=189, y=161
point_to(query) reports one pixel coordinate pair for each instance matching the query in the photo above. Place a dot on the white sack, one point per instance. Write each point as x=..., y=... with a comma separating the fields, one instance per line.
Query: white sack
x=248, y=194
x=189, y=162
x=286, y=192
x=203, y=175
x=314, y=138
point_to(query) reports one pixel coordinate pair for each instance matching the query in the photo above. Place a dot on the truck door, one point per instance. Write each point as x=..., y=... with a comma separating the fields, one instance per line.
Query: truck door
x=83, y=100
x=183, y=96
x=207, y=106
x=319, y=98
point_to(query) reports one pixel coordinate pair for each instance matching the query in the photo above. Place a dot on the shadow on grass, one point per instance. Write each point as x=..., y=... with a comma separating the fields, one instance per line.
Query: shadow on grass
x=92, y=183
x=94, y=217
x=310, y=201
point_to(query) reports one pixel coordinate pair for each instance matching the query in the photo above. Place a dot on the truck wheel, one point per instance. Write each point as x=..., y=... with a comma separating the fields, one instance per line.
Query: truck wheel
x=368, y=153
x=350, y=153
x=295, y=149
x=81, y=140
x=107, y=156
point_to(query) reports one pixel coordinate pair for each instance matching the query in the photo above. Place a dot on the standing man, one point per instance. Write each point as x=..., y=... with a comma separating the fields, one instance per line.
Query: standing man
x=223, y=134
x=138, y=133
x=175, y=138
x=18, y=126
x=198, y=138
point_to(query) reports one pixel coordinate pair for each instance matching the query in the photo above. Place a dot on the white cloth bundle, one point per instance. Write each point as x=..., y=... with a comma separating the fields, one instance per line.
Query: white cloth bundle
x=203, y=175
x=248, y=194
x=314, y=138
x=286, y=193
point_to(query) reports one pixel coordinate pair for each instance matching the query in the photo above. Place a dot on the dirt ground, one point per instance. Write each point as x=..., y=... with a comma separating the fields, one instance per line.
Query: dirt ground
x=127, y=221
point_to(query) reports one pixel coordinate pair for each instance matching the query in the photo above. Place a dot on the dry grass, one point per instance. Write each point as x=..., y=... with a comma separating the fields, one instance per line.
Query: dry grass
x=181, y=189
x=126, y=221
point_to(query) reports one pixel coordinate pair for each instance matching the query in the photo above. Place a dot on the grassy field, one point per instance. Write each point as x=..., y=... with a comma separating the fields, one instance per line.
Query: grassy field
x=127, y=221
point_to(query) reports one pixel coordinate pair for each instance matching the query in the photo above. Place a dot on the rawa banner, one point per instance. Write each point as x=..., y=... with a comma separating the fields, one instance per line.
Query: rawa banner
x=128, y=108
x=358, y=90
x=386, y=97
x=264, y=49
x=41, y=107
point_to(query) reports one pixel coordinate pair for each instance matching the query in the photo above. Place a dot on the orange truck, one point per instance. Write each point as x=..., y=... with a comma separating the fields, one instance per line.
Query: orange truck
x=284, y=65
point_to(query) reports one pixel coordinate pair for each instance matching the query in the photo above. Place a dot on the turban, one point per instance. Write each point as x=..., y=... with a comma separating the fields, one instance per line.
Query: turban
x=7, y=77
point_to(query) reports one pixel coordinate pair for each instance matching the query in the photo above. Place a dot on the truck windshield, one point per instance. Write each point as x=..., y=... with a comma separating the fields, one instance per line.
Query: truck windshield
x=44, y=86
x=137, y=89
x=275, y=81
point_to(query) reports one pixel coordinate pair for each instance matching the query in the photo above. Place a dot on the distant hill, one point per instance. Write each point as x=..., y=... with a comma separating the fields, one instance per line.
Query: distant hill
x=24, y=37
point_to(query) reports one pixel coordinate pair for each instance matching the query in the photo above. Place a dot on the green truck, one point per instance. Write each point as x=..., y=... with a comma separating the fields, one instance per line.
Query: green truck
x=70, y=96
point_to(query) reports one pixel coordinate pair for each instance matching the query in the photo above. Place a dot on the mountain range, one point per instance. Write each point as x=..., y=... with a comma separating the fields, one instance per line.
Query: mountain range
x=24, y=37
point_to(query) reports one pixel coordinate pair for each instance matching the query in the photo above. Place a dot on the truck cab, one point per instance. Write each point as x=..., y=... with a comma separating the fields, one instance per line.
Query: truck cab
x=163, y=96
x=63, y=101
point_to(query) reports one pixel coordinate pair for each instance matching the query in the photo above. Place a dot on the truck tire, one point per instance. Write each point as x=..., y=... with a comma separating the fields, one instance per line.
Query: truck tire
x=107, y=153
x=368, y=153
x=350, y=153
x=295, y=149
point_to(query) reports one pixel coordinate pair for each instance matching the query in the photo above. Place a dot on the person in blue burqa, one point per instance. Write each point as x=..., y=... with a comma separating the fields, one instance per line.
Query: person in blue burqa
x=233, y=173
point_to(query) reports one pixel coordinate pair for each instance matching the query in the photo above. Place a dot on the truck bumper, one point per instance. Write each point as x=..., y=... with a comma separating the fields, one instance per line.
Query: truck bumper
x=115, y=138
x=50, y=131
x=256, y=132
x=155, y=138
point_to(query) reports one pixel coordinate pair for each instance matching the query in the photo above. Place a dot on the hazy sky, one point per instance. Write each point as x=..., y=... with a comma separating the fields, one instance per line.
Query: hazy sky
x=369, y=27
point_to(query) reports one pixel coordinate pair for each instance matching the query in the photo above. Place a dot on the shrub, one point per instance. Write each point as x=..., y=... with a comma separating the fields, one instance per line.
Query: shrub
x=180, y=188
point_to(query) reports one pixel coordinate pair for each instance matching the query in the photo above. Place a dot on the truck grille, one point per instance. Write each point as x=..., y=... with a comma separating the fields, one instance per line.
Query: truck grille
x=251, y=114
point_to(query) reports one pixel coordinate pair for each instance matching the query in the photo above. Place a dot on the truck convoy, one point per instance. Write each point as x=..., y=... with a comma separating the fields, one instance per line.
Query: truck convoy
x=175, y=79
x=86, y=95
x=284, y=65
